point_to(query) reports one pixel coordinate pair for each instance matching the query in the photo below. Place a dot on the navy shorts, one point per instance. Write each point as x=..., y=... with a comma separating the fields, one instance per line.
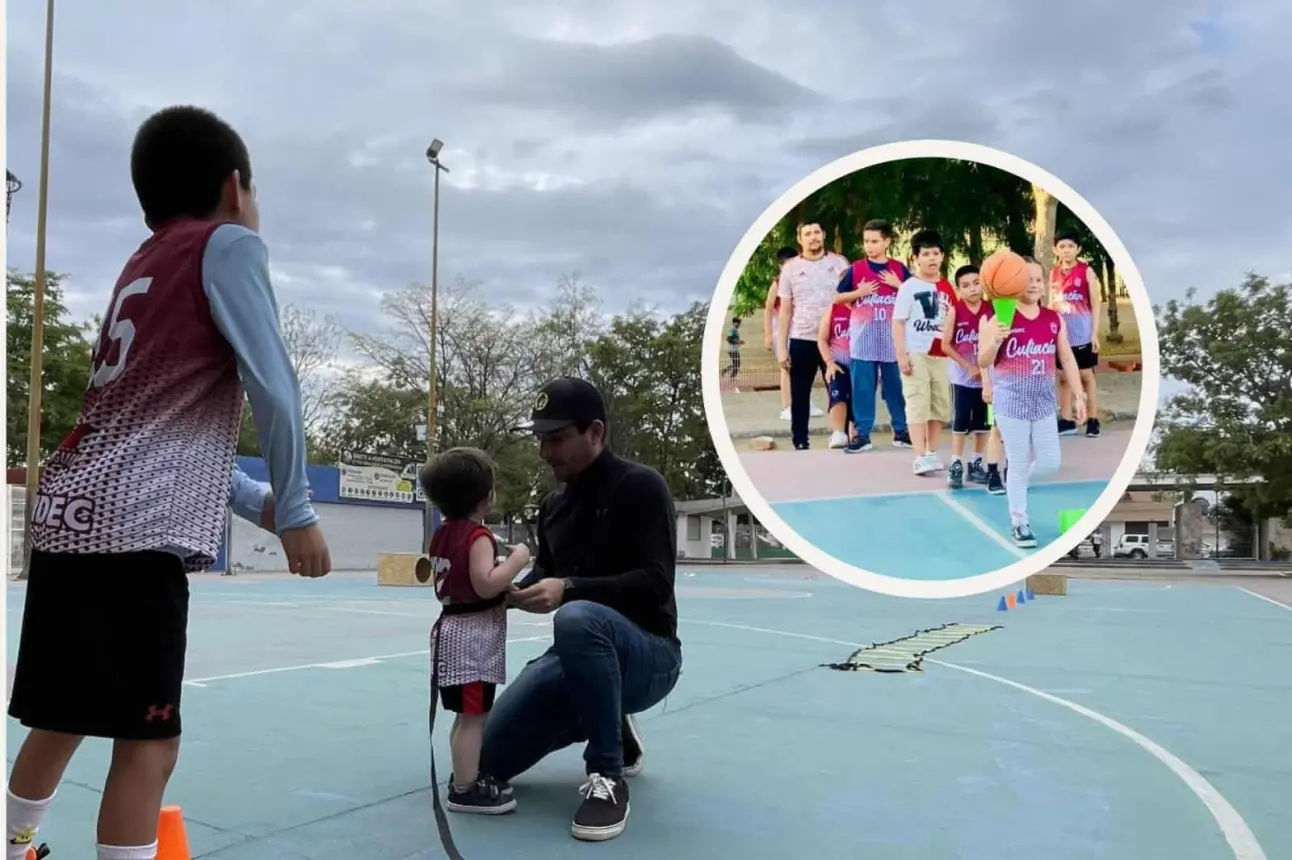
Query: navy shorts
x=840, y=387
x=1087, y=358
x=969, y=412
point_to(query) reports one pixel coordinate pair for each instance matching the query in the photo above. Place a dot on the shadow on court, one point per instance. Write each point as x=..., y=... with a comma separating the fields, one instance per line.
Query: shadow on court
x=306, y=719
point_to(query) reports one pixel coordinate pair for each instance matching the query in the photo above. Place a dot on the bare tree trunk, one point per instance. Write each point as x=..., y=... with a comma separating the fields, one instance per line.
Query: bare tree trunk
x=1047, y=213
x=1110, y=300
x=975, y=244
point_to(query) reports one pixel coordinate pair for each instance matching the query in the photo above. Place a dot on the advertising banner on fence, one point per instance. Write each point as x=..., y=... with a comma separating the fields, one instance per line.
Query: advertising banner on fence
x=378, y=477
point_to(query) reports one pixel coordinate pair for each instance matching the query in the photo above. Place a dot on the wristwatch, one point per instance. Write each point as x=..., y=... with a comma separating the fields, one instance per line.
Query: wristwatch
x=568, y=584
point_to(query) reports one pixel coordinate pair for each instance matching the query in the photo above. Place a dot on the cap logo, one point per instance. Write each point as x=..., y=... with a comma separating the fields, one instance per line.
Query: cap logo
x=540, y=402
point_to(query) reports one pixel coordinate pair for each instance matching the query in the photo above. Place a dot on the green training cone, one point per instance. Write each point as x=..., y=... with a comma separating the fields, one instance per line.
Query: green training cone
x=1069, y=518
x=1005, y=310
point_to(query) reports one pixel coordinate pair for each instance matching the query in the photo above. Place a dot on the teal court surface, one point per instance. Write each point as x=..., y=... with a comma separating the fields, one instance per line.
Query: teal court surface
x=1126, y=720
x=868, y=510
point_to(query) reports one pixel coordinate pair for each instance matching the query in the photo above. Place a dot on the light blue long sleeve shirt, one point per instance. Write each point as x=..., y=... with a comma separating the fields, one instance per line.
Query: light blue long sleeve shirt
x=235, y=276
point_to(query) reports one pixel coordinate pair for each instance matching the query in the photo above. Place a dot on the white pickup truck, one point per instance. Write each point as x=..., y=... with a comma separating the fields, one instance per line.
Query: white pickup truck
x=1136, y=546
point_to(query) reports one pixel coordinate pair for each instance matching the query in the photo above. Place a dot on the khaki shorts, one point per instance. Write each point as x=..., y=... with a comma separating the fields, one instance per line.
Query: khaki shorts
x=927, y=390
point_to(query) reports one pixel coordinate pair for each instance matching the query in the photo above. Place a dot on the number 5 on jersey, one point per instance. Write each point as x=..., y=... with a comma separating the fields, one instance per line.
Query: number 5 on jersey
x=119, y=330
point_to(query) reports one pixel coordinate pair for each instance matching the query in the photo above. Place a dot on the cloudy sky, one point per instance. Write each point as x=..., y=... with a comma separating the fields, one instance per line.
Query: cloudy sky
x=635, y=142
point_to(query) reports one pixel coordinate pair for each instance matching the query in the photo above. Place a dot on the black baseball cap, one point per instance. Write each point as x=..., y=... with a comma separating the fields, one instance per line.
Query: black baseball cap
x=564, y=401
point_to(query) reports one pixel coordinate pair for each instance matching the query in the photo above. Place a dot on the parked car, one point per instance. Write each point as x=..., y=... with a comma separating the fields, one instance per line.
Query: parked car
x=1136, y=546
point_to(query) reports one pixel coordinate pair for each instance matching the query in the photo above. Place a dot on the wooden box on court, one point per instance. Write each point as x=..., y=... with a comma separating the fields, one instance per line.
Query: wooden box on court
x=400, y=569
x=1053, y=584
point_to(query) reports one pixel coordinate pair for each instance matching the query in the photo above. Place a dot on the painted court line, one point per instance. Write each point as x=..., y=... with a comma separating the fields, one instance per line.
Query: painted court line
x=352, y=663
x=1242, y=841
x=1277, y=603
x=978, y=523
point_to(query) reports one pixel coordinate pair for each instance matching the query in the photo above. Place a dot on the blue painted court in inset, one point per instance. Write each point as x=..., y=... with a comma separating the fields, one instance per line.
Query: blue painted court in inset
x=1124, y=721
x=931, y=535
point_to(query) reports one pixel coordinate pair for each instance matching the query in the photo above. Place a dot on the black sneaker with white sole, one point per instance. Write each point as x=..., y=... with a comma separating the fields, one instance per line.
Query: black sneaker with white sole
x=902, y=439
x=604, y=812
x=1092, y=428
x=1023, y=536
x=485, y=796
x=956, y=475
x=976, y=474
x=634, y=748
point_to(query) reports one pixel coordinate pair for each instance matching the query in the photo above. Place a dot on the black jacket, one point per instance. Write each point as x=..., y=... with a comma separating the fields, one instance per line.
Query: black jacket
x=612, y=532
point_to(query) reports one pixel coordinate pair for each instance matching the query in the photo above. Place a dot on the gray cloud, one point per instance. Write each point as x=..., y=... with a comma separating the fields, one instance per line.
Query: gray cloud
x=635, y=143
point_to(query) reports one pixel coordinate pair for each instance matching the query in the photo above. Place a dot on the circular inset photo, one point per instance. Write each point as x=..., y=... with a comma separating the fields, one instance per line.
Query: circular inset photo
x=931, y=369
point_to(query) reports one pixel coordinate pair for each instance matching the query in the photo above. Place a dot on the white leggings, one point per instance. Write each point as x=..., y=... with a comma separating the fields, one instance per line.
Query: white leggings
x=1031, y=449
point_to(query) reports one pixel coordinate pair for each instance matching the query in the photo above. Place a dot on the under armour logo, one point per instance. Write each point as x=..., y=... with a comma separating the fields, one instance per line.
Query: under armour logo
x=156, y=713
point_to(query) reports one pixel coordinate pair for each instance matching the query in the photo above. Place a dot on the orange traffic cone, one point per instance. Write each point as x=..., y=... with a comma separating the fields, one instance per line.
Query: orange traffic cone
x=172, y=841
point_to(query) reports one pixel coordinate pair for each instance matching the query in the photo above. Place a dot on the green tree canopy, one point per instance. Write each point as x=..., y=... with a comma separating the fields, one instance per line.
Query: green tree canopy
x=976, y=207
x=66, y=365
x=1235, y=355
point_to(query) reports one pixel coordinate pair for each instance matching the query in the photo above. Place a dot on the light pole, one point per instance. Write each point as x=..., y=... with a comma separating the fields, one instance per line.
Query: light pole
x=38, y=302
x=433, y=156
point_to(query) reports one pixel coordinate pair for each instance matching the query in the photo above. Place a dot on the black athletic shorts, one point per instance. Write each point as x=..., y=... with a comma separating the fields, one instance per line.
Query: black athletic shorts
x=474, y=699
x=1087, y=358
x=103, y=644
x=968, y=411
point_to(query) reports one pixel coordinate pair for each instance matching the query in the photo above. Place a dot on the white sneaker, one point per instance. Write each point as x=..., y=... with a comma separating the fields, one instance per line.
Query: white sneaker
x=838, y=439
x=816, y=411
x=924, y=464
x=934, y=463
x=785, y=414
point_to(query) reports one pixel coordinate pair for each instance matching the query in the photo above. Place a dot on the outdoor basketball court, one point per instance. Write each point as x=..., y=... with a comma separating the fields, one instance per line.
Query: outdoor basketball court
x=1126, y=720
x=870, y=511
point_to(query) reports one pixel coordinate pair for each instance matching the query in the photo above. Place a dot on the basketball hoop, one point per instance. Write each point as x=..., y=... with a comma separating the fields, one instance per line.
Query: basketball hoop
x=11, y=185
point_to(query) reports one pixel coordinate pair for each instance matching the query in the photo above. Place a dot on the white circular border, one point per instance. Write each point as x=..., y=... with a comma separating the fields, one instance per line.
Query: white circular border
x=1042, y=558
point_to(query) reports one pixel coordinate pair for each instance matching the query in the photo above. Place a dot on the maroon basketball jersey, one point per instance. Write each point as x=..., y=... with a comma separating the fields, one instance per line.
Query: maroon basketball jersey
x=148, y=464
x=450, y=554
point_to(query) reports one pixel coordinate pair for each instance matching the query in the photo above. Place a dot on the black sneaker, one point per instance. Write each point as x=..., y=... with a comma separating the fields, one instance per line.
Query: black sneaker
x=977, y=474
x=634, y=749
x=1067, y=427
x=604, y=812
x=857, y=444
x=503, y=786
x=956, y=475
x=800, y=446
x=995, y=485
x=1023, y=536
x=1092, y=428
x=483, y=797
x=902, y=440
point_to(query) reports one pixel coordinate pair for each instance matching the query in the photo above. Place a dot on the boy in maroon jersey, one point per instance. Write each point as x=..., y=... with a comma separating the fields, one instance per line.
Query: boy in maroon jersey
x=469, y=639
x=138, y=494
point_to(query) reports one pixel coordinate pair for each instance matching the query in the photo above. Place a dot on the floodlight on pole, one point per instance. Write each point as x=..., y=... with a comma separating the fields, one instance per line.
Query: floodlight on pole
x=433, y=156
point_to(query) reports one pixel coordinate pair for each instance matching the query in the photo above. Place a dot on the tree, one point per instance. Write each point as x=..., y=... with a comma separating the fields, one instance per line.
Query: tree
x=648, y=369
x=312, y=344
x=1235, y=355
x=66, y=365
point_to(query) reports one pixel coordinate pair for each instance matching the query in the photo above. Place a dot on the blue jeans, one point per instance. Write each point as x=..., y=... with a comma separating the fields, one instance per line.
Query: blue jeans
x=865, y=375
x=600, y=667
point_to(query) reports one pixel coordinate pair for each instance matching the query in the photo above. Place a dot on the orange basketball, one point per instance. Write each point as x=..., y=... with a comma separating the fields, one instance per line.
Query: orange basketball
x=1004, y=275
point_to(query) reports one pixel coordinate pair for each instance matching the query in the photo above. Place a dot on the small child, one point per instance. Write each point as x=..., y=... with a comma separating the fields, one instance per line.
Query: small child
x=469, y=639
x=734, y=343
x=969, y=410
x=919, y=315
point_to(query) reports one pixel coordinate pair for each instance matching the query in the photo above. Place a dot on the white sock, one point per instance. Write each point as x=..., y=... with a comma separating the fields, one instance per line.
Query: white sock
x=23, y=820
x=977, y=458
x=117, y=852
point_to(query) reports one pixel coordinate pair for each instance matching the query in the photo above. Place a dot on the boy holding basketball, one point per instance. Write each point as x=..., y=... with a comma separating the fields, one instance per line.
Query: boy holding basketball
x=1074, y=293
x=469, y=639
x=919, y=317
x=969, y=410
